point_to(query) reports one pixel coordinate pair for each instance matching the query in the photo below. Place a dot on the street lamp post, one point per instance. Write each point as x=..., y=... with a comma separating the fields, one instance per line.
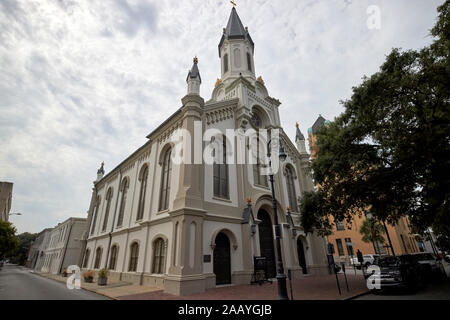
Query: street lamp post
x=281, y=277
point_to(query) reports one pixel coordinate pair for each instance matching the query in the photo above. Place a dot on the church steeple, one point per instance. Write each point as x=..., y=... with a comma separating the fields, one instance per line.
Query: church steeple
x=236, y=49
x=193, y=79
x=300, y=140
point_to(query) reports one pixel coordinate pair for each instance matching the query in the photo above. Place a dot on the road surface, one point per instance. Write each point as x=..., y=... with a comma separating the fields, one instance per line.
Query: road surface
x=18, y=283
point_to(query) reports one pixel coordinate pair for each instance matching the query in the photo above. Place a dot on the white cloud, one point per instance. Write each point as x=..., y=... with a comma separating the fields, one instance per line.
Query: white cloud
x=85, y=81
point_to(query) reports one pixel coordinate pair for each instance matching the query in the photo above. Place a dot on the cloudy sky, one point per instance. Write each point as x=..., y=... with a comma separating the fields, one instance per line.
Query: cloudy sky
x=83, y=82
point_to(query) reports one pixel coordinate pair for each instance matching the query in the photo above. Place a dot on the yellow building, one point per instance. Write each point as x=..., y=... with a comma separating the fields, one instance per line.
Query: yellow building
x=403, y=241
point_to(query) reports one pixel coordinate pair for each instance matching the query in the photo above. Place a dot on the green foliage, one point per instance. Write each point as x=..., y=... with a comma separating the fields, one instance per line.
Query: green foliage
x=8, y=239
x=389, y=151
x=19, y=256
x=372, y=231
x=103, y=273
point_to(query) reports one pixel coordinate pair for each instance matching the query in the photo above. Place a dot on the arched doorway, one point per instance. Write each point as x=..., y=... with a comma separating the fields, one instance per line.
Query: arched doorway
x=301, y=255
x=222, y=259
x=266, y=242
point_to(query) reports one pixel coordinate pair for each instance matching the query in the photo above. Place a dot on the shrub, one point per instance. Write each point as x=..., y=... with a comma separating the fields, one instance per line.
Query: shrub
x=103, y=273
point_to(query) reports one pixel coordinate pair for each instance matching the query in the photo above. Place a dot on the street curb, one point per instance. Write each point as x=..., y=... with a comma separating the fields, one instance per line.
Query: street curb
x=101, y=294
x=358, y=295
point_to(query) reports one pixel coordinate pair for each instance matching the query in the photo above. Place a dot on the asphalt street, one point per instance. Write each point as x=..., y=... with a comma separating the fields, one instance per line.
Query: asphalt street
x=17, y=283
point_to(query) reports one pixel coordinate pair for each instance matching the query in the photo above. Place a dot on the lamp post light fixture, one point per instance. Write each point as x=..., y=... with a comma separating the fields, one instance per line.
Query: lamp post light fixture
x=281, y=277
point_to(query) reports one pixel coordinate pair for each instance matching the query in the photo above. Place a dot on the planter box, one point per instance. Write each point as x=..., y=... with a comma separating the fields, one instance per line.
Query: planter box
x=102, y=281
x=89, y=280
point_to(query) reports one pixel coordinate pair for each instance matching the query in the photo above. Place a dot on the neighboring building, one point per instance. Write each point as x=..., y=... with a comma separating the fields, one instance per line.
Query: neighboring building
x=64, y=246
x=187, y=227
x=5, y=200
x=36, y=253
x=403, y=241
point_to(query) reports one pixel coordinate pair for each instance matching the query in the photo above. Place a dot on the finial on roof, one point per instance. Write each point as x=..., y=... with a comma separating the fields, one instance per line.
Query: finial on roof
x=296, y=124
x=298, y=134
x=195, y=60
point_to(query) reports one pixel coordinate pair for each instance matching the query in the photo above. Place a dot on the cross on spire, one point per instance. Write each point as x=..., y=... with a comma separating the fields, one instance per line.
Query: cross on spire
x=233, y=3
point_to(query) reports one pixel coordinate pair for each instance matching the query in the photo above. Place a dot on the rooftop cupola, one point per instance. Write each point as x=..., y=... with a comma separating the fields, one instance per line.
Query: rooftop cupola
x=193, y=79
x=236, y=49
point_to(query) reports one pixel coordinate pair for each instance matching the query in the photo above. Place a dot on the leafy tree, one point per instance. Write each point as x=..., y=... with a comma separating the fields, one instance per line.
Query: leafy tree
x=372, y=231
x=8, y=239
x=19, y=256
x=389, y=150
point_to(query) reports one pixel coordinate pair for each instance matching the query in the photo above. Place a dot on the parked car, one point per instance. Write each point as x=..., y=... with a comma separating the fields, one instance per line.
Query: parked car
x=432, y=268
x=447, y=258
x=368, y=259
x=402, y=271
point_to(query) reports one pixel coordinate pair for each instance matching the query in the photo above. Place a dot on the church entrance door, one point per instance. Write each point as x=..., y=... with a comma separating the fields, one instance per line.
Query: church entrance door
x=266, y=242
x=222, y=259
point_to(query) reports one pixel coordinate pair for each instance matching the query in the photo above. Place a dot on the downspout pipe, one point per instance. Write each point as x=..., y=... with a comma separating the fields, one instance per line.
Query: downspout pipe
x=114, y=220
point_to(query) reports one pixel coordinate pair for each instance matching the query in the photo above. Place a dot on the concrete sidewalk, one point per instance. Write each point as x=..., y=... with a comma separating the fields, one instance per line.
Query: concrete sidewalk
x=310, y=287
x=112, y=290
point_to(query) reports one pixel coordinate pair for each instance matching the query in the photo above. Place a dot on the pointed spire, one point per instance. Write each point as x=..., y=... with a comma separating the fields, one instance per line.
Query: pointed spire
x=298, y=134
x=235, y=29
x=101, y=172
x=193, y=79
x=194, y=72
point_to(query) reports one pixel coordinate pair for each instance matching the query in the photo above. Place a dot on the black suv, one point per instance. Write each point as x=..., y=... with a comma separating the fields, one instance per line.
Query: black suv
x=400, y=272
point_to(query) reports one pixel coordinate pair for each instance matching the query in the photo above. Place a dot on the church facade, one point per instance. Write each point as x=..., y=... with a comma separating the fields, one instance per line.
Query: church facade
x=186, y=227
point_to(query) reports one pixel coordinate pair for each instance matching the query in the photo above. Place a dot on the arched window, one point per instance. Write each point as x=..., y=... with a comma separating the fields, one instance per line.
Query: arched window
x=134, y=255
x=108, y=207
x=97, y=205
x=159, y=256
x=86, y=258
x=98, y=258
x=123, y=201
x=165, y=181
x=249, y=62
x=220, y=171
x=225, y=63
x=113, y=258
x=291, y=189
x=143, y=178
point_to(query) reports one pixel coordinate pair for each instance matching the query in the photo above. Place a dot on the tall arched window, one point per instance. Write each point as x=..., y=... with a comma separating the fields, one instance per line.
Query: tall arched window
x=98, y=257
x=225, y=63
x=249, y=62
x=291, y=189
x=258, y=177
x=165, y=181
x=123, y=201
x=143, y=178
x=159, y=256
x=134, y=255
x=113, y=258
x=94, y=221
x=108, y=207
x=220, y=171
x=86, y=258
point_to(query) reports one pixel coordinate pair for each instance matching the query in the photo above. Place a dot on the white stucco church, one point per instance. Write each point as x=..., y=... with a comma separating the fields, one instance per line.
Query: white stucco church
x=189, y=227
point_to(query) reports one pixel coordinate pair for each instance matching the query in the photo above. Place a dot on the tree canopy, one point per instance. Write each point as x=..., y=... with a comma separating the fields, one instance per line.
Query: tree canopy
x=8, y=240
x=390, y=149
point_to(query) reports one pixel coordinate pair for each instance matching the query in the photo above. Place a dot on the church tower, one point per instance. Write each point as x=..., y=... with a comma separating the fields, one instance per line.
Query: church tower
x=193, y=79
x=236, y=49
